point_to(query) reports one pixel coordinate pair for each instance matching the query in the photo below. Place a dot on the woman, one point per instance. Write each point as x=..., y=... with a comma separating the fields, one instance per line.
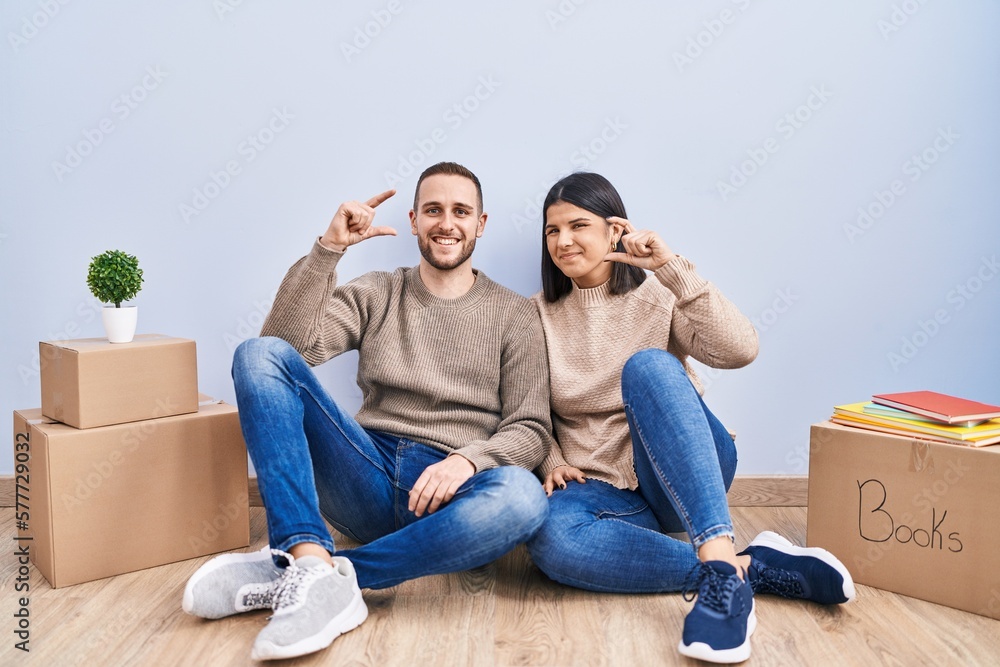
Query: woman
x=639, y=453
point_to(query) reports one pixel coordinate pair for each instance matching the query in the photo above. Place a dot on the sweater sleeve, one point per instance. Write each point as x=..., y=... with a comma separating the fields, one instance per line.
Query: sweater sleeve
x=524, y=435
x=315, y=316
x=551, y=462
x=705, y=325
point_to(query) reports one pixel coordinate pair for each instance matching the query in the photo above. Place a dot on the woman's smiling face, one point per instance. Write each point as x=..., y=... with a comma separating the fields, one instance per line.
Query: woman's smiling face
x=577, y=241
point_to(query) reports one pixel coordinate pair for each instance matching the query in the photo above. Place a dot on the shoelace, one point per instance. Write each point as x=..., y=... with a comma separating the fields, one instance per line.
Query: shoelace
x=287, y=591
x=259, y=600
x=714, y=590
x=777, y=582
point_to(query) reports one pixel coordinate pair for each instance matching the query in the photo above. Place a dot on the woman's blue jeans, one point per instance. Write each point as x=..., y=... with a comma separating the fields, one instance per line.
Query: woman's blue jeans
x=602, y=538
x=314, y=461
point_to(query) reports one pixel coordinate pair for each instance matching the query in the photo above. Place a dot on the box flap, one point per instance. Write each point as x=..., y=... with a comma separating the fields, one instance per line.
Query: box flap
x=94, y=344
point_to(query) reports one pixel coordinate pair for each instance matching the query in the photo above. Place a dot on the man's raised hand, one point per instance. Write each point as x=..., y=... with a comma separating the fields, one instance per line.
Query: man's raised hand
x=352, y=223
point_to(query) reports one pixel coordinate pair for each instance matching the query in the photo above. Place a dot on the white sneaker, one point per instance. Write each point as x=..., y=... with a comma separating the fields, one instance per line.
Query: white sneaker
x=231, y=584
x=314, y=603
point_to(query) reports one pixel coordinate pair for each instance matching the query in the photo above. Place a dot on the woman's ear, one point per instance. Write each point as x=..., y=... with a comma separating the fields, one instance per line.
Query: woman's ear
x=617, y=231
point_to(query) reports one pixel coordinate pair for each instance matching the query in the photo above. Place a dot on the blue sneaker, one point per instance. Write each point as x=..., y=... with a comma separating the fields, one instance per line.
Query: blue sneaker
x=718, y=627
x=807, y=573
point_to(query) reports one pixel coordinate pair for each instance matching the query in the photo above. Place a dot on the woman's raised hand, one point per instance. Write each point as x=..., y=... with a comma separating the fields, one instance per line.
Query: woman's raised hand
x=643, y=248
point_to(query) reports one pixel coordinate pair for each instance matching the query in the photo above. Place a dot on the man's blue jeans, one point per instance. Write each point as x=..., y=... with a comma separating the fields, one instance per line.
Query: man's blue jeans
x=607, y=539
x=314, y=460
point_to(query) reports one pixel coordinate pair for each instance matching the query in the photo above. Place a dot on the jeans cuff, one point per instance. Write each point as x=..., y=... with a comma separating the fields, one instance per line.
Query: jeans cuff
x=287, y=544
x=722, y=530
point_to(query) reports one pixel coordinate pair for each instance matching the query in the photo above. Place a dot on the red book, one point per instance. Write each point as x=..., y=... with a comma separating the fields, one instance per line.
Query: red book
x=944, y=408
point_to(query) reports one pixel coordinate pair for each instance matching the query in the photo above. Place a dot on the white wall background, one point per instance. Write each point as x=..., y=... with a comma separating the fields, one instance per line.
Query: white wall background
x=664, y=98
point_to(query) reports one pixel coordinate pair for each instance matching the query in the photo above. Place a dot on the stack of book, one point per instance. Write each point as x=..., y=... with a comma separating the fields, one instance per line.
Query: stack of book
x=925, y=415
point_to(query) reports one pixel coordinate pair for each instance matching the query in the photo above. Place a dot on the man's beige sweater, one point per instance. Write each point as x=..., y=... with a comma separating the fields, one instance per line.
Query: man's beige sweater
x=591, y=333
x=465, y=375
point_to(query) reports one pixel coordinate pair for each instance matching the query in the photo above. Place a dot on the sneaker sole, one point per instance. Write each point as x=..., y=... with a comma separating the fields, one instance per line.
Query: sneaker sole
x=187, y=603
x=779, y=543
x=352, y=616
x=726, y=656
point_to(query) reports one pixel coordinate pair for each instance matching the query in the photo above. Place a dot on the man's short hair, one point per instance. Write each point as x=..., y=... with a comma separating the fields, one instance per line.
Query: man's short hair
x=453, y=169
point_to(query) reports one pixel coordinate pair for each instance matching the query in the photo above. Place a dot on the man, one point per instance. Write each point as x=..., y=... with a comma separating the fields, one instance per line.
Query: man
x=433, y=473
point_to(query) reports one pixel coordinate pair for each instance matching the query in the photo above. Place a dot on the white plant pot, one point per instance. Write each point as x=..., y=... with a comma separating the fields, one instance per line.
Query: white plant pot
x=119, y=323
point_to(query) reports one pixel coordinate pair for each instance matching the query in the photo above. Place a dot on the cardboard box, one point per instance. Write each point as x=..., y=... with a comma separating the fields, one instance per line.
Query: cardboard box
x=90, y=382
x=907, y=515
x=105, y=501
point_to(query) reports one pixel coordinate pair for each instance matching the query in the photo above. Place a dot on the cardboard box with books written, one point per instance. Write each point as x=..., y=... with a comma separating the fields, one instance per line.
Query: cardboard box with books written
x=90, y=382
x=104, y=501
x=908, y=515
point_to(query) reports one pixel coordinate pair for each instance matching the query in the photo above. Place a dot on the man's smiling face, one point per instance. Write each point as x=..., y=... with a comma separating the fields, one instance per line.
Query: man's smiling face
x=447, y=220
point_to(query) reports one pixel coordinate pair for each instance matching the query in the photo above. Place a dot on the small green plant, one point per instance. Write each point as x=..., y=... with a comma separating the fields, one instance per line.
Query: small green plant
x=114, y=276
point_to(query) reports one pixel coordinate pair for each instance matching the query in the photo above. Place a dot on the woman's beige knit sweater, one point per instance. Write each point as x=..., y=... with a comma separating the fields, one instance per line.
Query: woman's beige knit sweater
x=591, y=333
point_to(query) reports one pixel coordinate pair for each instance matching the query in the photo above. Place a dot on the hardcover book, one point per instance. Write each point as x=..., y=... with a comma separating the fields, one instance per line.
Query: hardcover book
x=948, y=409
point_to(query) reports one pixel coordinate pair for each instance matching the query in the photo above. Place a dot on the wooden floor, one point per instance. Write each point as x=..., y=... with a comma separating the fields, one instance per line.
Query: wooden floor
x=507, y=613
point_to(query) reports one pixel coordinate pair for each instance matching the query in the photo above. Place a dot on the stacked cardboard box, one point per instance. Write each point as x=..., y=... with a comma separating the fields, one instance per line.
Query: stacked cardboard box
x=125, y=466
x=908, y=515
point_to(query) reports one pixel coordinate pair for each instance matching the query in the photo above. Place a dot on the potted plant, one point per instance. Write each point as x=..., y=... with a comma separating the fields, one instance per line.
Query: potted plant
x=114, y=277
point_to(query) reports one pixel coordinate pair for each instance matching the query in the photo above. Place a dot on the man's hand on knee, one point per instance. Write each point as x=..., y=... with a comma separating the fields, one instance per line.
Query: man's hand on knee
x=438, y=483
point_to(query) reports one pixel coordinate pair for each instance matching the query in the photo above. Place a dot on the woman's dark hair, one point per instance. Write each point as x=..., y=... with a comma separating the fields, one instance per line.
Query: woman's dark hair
x=594, y=193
